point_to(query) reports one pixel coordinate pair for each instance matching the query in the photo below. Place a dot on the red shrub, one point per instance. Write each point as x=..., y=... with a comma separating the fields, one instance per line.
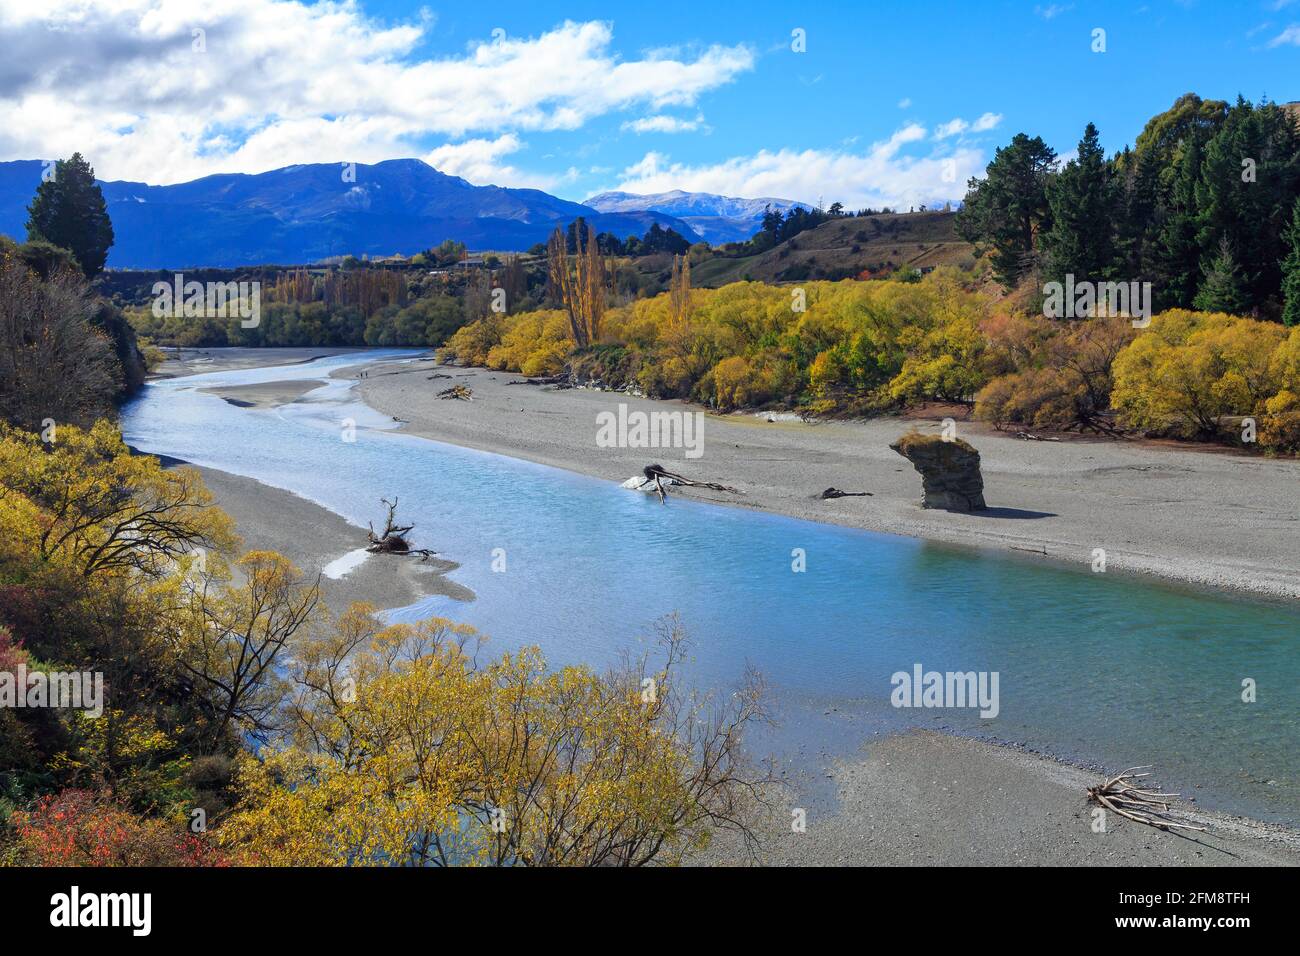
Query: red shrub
x=84, y=828
x=11, y=651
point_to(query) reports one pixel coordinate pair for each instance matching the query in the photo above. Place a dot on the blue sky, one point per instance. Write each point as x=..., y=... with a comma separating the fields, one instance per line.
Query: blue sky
x=890, y=102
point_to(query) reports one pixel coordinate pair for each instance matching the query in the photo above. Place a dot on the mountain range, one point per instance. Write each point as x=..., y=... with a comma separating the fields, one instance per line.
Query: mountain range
x=717, y=219
x=306, y=213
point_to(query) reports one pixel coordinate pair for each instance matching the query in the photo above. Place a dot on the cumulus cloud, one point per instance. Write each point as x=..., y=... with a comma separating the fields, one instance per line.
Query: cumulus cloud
x=269, y=83
x=481, y=162
x=886, y=174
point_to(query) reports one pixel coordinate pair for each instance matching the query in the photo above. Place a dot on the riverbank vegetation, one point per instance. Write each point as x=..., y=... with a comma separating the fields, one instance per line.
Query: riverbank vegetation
x=171, y=700
x=242, y=723
x=864, y=348
x=66, y=354
x=1207, y=241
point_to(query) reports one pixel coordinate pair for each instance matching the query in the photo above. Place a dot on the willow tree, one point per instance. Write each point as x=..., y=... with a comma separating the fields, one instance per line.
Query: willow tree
x=406, y=749
x=82, y=502
x=580, y=285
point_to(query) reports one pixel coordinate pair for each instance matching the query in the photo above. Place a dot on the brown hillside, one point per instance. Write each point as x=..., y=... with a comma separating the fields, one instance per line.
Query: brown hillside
x=843, y=248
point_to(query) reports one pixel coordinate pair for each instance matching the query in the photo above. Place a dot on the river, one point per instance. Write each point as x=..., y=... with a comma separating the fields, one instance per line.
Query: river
x=1103, y=669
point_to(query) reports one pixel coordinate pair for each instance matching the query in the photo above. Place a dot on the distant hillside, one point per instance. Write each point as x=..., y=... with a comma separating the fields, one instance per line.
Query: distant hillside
x=717, y=219
x=847, y=247
x=303, y=214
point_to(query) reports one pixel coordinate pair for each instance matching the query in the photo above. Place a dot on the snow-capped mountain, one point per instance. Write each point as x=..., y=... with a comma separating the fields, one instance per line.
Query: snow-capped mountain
x=716, y=218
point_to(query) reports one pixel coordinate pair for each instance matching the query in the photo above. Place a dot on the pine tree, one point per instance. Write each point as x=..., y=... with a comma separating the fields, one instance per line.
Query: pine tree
x=1224, y=288
x=1086, y=212
x=69, y=211
x=1139, y=228
x=1291, y=271
x=1175, y=257
x=1248, y=183
x=1008, y=209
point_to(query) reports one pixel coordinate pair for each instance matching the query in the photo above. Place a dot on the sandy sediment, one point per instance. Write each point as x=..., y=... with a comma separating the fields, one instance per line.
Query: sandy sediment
x=1217, y=519
x=263, y=394
x=270, y=519
x=187, y=361
x=928, y=799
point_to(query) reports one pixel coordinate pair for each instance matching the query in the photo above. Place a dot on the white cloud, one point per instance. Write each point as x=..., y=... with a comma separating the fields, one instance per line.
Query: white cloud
x=662, y=123
x=883, y=175
x=1289, y=36
x=905, y=102
x=479, y=161
x=958, y=126
x=281, y=83
x=1053, y=10
x=950, y=128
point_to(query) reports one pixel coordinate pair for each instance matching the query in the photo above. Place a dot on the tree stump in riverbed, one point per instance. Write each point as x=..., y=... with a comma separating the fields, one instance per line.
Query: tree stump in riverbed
x=393, y=539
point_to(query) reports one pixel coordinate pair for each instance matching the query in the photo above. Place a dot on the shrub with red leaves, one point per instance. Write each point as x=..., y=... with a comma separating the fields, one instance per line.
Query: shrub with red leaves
x=85, y=828
x=11, y=651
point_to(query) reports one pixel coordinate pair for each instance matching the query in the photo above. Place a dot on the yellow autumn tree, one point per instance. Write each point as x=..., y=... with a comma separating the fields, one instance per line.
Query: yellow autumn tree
x=128, y=562
x=1189, y=370
x=84, y=503
x=234, y=638
x=407, y=750
x=579, y=283
x=1280, y=428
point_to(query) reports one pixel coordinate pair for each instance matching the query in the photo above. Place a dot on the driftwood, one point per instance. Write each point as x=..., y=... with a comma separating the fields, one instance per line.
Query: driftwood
x=393, y=539
x=836, y=493
x=562, y=379
x=1131, y=803
x=462, y=392
x=655, y=474
x=1096, y=425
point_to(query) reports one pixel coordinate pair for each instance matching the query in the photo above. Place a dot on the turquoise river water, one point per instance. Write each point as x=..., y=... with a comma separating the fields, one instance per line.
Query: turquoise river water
x=1103, y=669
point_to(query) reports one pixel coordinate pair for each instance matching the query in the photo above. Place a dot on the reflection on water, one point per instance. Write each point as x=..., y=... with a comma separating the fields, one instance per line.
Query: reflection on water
x=1098, y=667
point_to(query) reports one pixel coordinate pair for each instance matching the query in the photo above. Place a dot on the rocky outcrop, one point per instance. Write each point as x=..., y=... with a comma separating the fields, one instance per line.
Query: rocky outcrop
x=950, y=471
